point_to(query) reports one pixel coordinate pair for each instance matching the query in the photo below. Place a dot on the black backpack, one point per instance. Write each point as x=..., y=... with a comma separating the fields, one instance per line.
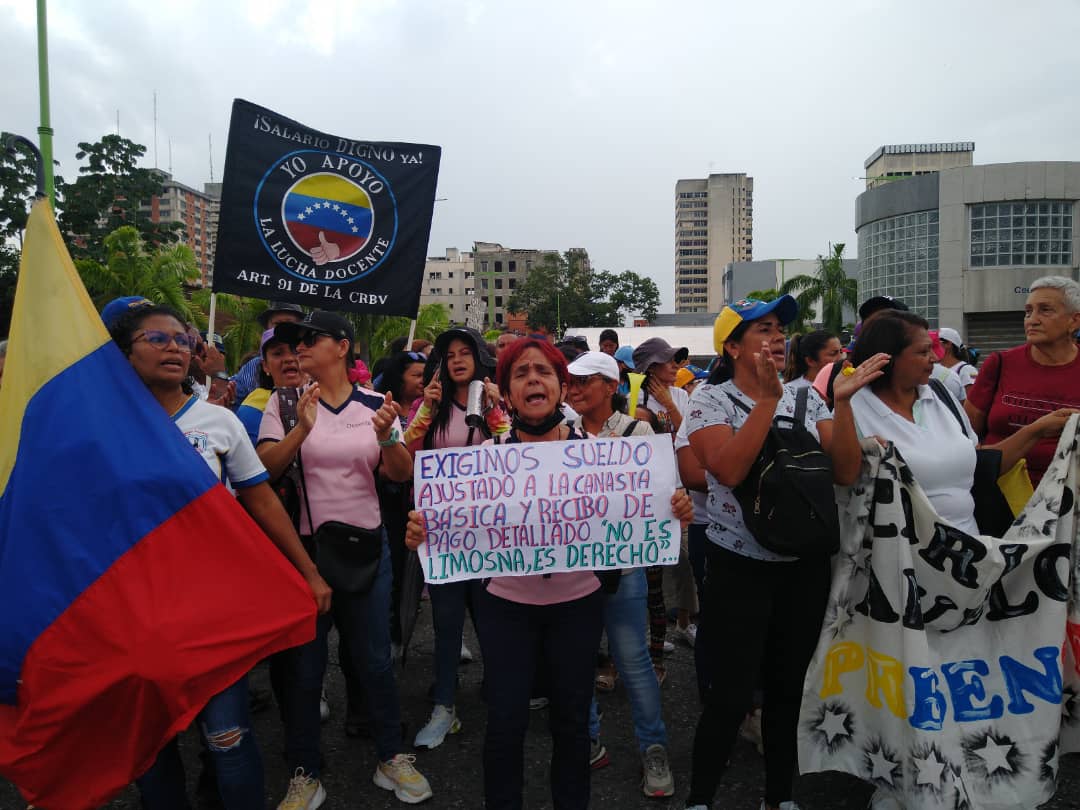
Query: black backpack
x=787, y=498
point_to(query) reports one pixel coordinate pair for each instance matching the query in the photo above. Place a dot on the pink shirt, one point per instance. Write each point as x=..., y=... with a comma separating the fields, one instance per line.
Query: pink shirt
x=538, y=589
x=339, y=459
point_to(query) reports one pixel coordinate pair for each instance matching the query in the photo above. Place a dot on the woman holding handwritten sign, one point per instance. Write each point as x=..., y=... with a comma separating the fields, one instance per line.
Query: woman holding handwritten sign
x=553, y=621
x=763, y=609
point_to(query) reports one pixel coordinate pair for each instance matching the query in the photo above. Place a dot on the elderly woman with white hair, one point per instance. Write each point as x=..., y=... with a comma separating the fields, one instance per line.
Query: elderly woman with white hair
x=1016, y=387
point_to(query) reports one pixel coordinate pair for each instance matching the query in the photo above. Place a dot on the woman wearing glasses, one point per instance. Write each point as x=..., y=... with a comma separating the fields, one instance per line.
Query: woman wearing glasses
x=159, y=349
x=594, y=378
x=442, y=422
x=343, y=435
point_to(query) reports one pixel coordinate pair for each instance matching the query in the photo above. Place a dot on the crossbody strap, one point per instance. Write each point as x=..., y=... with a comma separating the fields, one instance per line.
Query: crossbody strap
x=802, y=396
x=942, y=393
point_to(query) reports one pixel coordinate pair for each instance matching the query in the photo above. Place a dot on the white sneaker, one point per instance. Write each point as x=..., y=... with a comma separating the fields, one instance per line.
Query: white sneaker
x=687, y=635
x=443, y=721
x=399, y=775
x=466, y=656
x=324, y=707
x=305, y=793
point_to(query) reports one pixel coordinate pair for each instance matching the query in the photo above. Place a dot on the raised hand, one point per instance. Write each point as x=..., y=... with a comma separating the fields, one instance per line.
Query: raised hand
x=661, y=393
x=325, y=251
x=768, y=380
x=492, y=391
x=433, y=394
x=307, y=408
x=384, y=418
x=851, y=379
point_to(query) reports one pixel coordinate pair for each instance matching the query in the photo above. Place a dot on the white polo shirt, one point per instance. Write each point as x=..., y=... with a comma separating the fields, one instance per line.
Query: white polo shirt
x=940, y=456
x=951, y=380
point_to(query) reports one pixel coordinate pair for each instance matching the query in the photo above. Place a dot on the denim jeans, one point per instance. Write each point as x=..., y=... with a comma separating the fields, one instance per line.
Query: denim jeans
x=363, y=620
x=563, y=639
x=625, y=614
x=226, y=728
x=448, y=604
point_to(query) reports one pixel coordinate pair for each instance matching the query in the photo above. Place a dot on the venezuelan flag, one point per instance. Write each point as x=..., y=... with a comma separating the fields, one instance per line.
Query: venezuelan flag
x=133, y=587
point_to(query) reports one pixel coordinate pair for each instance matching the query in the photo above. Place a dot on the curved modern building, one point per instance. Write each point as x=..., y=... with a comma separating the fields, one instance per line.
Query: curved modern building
x=960, y=245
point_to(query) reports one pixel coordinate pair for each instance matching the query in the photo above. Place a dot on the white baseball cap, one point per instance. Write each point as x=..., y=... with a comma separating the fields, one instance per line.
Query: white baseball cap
x=951, y=335
x=588, y=363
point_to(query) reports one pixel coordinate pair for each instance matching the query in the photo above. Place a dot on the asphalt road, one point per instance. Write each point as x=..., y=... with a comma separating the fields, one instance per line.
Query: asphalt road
x=454, y=768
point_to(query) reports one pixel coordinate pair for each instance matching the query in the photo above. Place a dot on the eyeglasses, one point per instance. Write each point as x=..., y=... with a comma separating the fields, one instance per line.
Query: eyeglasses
x=161, y=340
x=582, y=380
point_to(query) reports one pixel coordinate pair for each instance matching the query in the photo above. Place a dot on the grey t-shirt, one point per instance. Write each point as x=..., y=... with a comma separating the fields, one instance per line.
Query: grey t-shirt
x=711, y=405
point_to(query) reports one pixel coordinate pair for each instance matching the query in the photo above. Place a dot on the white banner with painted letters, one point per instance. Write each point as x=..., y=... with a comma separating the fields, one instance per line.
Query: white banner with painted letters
x=947, y=670
x=546, y=507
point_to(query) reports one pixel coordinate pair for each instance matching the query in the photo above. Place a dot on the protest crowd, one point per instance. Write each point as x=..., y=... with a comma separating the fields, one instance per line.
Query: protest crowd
x=320, y=450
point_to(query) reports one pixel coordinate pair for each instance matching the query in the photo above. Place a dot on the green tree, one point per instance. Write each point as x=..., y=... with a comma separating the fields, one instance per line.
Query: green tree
x=128, y=269
x=431, y=321
x=18, y=184
x=563, y=289
x=236, y=319
x=764, y=295
x=9, y=274
x=107, y=195
x=830, y=285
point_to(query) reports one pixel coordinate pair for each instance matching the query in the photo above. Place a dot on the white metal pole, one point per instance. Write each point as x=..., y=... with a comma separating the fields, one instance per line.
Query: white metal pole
x=412, y=334
x=210, y=328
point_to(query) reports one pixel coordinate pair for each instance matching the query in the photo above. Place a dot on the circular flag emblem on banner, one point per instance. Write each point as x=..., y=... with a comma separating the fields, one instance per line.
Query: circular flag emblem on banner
x=326, y=217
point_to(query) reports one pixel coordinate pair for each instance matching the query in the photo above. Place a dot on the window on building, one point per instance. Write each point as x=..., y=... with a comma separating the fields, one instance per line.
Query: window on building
x=498, y=300
x=483, y=267
x=511, y=267
x=498, y=267
x=483, y=284
x=898, y=256
x=1021, y=233
x=528, y=265
x=511, y=283
x=498, y=284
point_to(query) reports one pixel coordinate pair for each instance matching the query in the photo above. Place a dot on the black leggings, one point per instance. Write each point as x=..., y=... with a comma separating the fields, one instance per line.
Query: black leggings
x=764, y=619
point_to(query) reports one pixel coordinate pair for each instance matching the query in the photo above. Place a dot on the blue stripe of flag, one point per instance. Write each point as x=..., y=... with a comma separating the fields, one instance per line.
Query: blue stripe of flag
x=317, y=214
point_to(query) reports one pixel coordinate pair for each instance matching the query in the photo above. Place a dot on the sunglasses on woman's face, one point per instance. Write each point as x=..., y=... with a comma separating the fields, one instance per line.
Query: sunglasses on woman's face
x=161, y=340
x=309, y=339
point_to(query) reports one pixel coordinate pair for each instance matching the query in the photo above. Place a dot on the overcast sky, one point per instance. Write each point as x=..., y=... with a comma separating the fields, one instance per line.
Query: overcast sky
x=566, y=124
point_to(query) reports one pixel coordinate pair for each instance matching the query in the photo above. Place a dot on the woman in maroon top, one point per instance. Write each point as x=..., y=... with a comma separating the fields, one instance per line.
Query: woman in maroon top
x=1016, y=387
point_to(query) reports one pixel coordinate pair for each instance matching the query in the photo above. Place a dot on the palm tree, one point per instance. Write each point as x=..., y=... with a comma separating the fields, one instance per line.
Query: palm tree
x=830, y=285
x=236, y=319
x=129, y=270
x=431, y=321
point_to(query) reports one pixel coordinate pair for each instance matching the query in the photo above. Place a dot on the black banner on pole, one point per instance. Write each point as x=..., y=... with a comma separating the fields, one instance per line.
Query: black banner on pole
x=320, y=220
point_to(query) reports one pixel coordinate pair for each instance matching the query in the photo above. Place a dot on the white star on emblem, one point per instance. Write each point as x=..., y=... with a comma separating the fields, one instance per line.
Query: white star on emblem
x=307, y=210
x=343, y=213
x=337, y=207
x=883, y=767
x=324, y=204
x=832, y=725
x=995, y=755
x=355, y=229
x=1053, y=764
x=840, y=620
x=351, y=220
x=300, y=217
x=963, y=798
x=930, y=769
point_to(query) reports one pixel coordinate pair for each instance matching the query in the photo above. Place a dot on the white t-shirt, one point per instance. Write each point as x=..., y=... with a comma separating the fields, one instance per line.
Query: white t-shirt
x=800, y=382
x=950, y=379
x=966, y=372
x=339, y=458
x=218, y=435
x=711, y=405
x=940, y=456
x=700, y=499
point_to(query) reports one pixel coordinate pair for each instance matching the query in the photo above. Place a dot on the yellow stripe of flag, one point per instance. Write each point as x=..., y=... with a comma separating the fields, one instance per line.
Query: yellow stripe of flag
x=54, y=325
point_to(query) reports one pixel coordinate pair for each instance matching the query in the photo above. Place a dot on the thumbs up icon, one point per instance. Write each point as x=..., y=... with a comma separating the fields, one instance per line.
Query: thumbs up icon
x=325, y=251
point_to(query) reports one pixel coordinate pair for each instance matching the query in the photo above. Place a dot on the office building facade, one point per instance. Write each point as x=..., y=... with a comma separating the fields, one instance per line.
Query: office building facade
x=197, y=211
x=714, y=225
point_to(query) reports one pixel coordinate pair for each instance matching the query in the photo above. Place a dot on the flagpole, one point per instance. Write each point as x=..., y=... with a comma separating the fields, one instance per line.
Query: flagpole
x=412, y=334
x=45, y=131
x=210, y=327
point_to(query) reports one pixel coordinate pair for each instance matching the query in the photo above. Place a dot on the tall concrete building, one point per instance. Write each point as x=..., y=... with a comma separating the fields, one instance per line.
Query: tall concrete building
x=714, y=225
x=197, y=211
x=962, y=244
x=448, y=280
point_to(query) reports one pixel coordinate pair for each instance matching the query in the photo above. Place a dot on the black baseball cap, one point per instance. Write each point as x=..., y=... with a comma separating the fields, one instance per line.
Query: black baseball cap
x=878, y=303
x=278, y=306
x=321, y=321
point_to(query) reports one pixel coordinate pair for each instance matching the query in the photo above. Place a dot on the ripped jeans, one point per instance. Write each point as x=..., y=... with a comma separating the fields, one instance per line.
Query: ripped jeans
x=226, y=728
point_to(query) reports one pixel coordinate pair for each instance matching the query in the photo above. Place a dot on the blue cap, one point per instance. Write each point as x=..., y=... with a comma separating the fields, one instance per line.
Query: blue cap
x=625, y=355
x=118, y=307
x=750, y=309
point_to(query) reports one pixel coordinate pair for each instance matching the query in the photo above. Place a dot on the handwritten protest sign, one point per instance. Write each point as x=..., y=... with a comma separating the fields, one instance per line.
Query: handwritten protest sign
x=545, y=507
x=948, y=668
